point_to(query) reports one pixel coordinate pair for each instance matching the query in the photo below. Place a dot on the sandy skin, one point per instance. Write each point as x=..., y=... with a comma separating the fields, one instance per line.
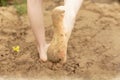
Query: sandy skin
x=57, y=51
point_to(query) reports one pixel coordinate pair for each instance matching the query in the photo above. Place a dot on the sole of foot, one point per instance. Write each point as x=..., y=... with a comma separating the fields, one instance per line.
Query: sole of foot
x=57, y=51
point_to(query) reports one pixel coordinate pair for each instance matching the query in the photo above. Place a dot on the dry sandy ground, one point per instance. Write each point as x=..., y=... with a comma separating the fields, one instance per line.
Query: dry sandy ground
x=93, y=50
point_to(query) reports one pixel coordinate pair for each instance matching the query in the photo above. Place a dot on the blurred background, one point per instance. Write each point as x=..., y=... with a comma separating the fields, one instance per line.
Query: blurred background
x=9, y=2
x=20, y=5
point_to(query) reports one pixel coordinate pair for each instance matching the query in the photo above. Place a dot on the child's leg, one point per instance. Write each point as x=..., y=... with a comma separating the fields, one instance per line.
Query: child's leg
x=63, y=21
x=71, y=10
x=36, y=20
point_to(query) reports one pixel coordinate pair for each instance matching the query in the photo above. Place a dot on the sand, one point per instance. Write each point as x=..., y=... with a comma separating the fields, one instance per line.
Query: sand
x=93, y=50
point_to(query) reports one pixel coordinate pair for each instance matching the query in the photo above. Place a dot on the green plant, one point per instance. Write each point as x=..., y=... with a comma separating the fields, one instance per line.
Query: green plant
x=21, y=8
x=3, y=2
x=20, y=5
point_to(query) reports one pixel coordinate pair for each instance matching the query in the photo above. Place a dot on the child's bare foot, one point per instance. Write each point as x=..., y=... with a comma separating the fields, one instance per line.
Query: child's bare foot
x=43, y=53
x=58, y=47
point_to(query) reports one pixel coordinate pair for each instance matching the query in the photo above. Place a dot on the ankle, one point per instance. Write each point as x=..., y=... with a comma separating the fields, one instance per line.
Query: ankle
x=42, y=47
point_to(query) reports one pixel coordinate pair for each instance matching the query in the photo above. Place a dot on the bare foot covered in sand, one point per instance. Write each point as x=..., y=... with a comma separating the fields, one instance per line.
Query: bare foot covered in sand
x=57, y=51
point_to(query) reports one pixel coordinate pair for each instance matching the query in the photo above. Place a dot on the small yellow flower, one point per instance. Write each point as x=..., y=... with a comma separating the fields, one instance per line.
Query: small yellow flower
x=16, y=48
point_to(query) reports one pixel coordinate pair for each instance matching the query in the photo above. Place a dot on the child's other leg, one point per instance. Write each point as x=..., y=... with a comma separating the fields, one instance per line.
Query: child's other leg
x=36, y=20
x=63, y=21
x=71, y=9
